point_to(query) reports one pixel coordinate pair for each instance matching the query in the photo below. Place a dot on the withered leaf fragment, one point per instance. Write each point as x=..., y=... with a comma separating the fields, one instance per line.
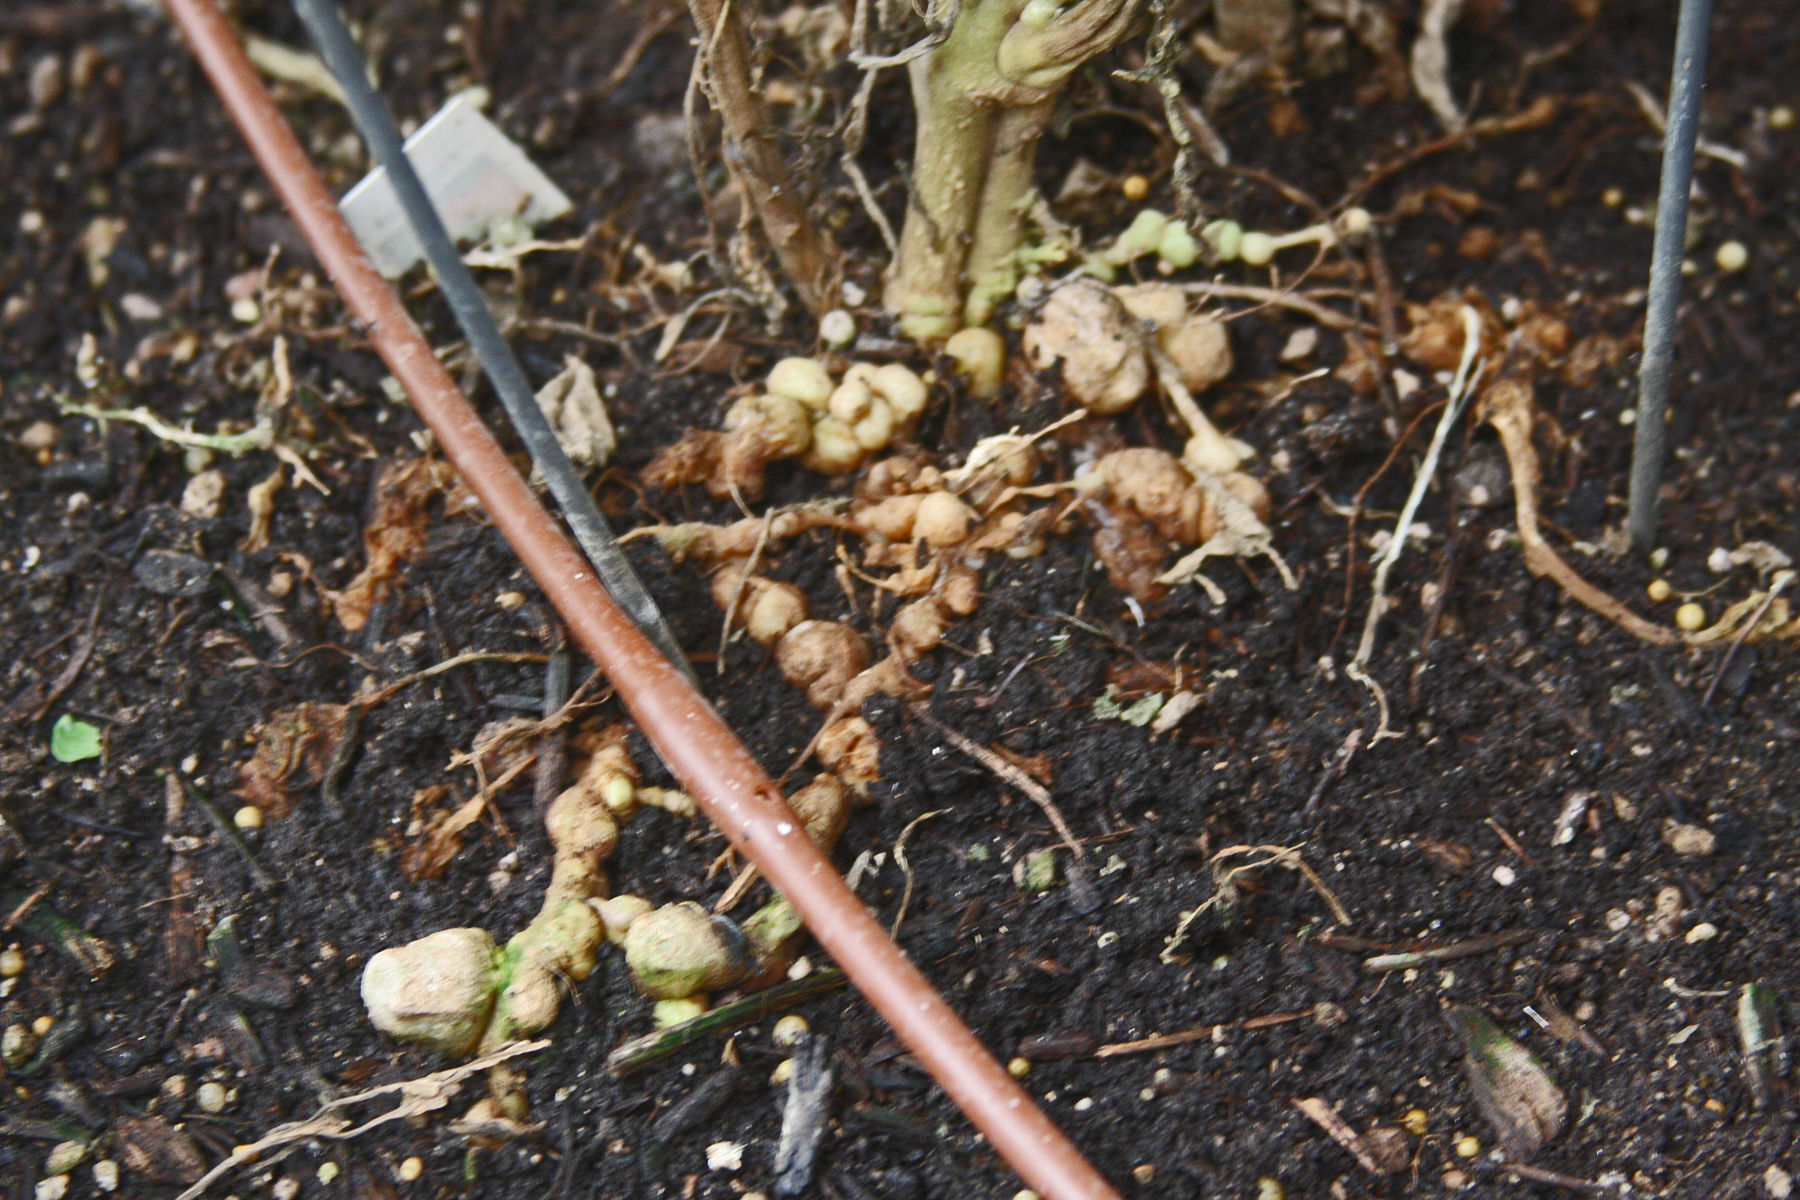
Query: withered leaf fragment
x=1515, y=1092
x=293, y=748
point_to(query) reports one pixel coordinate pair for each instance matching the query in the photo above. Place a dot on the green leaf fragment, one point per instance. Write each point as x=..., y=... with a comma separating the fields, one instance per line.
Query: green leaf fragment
x=73, y=740
x=1140, y=713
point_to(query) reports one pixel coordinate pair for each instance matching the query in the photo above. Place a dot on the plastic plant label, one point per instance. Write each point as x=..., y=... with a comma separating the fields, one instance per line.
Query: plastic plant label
x=474, y=174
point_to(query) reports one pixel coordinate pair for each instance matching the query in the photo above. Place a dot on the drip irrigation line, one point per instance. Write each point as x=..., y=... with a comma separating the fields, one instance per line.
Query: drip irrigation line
x=1681, y=131
x=706, y=756
x=344, y=59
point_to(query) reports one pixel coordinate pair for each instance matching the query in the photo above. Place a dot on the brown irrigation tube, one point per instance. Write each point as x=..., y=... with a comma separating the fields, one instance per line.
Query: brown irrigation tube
x=702, y=750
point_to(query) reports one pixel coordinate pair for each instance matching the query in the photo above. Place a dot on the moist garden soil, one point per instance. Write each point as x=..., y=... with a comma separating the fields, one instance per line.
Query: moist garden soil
x=1508, y=698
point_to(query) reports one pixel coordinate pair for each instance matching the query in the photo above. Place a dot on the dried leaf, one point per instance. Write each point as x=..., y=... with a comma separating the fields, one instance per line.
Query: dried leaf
x=393, y=538
x=572, y=403
x=152, y=1149
x=1515, y=1092
x=1242, y=534
x=293, y=748
x=437, y=833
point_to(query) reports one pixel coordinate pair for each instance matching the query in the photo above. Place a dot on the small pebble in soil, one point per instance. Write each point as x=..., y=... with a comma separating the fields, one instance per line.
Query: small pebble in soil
x=1468, y=1146
x=411, y=1169
x=12, y=962
x=1732, y=256
x=248, y=817
x=43, y=1025
x=212, y=1097
x=328, y=1172
x=1144, y=1172
x=1136, y=187
x=790, y=1029
x=1505, y=876
x=510, y=601
x=1690, y=617
x=106, y=1175
x=1612, y=197
x=53, y=1188
x=1781, y=117
x=1659, y=590
x=1026, y=1194
x=1689, y=841
x=1456, y=1181
x=1705, y=931
x=1270, y=1189
x=837, y=328
x=286, y=1188
x=1019, y=1068
x=1415, y=1122
x=245, y=310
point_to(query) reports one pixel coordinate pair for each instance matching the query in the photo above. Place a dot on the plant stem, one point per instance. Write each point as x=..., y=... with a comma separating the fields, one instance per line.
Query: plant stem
x=808, y=254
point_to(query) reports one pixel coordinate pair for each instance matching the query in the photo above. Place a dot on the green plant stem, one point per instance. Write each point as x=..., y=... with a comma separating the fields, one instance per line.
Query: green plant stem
x=653, y=1047
x=992, y=271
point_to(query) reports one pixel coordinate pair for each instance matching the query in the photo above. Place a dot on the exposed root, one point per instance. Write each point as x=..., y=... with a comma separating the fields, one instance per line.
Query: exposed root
x=1507, y=406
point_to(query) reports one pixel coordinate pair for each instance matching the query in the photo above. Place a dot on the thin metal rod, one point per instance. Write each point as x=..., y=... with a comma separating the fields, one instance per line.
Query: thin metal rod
x=1683, y=128
x=344, y=59
x=712, y=764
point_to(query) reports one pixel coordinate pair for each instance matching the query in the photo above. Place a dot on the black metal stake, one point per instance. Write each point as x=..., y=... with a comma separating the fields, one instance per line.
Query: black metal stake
x=1647, y=448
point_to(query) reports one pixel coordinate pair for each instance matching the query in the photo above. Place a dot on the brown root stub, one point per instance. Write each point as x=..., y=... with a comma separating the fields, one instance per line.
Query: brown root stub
x=714, y=543
x=850, y=748
x=1143, y=499
x=820, y=657
x=1088, y=329
x=766, y=608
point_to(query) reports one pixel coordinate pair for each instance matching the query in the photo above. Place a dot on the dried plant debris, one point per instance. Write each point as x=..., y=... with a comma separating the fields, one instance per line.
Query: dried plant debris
x=572, y=404
x=1765, y=1047
x=294, y=748
x=394, y=537
x=1515, y=1092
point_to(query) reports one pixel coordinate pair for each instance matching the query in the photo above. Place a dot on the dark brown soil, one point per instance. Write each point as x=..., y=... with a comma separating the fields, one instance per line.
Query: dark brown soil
x=1509, y=702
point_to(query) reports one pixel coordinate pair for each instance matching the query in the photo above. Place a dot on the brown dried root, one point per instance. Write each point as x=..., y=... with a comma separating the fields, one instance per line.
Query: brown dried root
x=715, y=543
x=1508, y=406
x=1143, y=499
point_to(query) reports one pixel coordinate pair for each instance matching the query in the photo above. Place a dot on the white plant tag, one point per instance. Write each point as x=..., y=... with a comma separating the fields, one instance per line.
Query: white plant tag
x=474, y=174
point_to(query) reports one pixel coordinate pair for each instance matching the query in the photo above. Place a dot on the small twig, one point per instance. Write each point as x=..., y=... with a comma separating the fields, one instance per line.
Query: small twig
x=1555, y=1179
x=1467, y=949
x=229, y=835
x=1777, y=585
x=1507, y=406
x=1340, y=762
x=1330, y=318
x=1326, y=1118
x=1081, y=888
x=85, y=649
x=1163, y=1041
x=1512, y=843
x=450, y=664
x=737, y=593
